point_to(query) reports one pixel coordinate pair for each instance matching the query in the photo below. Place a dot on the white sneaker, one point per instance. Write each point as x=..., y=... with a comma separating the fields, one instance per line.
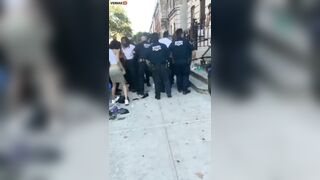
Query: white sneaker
x=115, y=100
x=126, y=102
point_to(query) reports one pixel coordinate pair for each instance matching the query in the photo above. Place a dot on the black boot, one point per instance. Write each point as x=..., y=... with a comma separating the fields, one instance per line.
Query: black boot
x=158, y=96
x=186, y=92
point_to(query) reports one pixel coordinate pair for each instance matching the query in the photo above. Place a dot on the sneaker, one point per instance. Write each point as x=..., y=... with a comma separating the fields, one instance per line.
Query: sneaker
x=115, y=100
x=158, y=97
x=126, y=102
x=169, y=96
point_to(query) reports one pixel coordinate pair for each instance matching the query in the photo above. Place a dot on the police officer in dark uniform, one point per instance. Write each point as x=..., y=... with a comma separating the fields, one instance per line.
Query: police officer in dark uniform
x=157, y=56
x=141, y=52
x=181, y=50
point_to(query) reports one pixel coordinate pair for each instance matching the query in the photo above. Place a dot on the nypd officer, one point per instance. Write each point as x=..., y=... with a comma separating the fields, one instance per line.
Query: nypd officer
x=158, y=54
x=181, y=50
x=141, y=51
x=165, y=40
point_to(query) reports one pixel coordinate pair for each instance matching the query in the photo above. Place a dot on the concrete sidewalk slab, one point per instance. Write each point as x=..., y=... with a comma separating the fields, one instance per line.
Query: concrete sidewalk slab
x=150, y=141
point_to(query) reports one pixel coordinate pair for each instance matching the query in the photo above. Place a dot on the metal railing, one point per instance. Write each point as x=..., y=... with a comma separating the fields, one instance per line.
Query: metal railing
x=200, y=35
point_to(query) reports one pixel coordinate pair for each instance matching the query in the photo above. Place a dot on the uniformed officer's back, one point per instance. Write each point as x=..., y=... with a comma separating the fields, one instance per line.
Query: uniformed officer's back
x=142, y=50
x=181, y=50
x=158, y=53
x=158, y=56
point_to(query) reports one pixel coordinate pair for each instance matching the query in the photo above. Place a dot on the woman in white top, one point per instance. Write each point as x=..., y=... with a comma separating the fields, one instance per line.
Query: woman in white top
x=117, y=72
x=130, y=63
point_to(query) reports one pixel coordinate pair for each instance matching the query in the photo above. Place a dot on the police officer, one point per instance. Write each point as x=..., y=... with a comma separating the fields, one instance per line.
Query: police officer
x=148, y=72
x=158, y=54
x=181, y=50
x=165, y=40
x=141, y=51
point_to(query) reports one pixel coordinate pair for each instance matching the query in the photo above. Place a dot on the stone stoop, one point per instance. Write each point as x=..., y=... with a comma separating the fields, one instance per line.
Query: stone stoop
x=199, y=76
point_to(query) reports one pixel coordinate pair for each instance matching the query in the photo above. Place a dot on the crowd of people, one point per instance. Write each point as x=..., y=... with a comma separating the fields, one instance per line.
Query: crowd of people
x=131, y=66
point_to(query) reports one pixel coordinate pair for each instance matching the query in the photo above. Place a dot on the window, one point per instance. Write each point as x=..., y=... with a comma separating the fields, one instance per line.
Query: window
x=192, y=13
x=202, y=12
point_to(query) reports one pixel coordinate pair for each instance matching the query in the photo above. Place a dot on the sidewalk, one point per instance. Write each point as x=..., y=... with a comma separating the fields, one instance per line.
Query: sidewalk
x=163, y=140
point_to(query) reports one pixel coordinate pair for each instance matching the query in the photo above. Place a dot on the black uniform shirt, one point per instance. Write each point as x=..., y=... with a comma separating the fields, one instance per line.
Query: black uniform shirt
x=158, y=53
x=141, y=50
x=181, y=50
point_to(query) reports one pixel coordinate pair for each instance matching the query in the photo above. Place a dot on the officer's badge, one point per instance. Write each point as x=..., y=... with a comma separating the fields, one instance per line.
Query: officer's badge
x=178, y=43
x=156, y=48
x=146, y=45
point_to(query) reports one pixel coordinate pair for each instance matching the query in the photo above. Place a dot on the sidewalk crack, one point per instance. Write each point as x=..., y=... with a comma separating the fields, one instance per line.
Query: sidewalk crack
x=170, y=148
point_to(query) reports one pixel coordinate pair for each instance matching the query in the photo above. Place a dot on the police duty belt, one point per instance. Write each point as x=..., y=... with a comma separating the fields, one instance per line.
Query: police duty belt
x=143, y=60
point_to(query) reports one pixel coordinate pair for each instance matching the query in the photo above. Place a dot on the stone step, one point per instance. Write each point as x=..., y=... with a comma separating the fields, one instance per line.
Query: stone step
x=198, y=85
x=201, y=51
x=200, y=75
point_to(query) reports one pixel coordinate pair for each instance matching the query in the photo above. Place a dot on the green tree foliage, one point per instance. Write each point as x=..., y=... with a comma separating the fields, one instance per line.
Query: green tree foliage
x=136, y=38
x=119, y=22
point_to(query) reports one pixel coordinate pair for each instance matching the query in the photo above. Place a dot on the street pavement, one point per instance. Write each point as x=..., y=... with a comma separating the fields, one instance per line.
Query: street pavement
x=167, y=139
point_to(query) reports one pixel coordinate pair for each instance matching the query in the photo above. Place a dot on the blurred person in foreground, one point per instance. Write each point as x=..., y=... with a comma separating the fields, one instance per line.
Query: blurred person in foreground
x=181, y=50
x=232, y=31
x=46, y=39
x=158, y=55
x=26, y=35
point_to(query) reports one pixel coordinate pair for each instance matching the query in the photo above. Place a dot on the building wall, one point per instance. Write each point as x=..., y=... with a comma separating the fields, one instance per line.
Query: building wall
x=156, y=20
x=173, y=14
x=196, y=4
